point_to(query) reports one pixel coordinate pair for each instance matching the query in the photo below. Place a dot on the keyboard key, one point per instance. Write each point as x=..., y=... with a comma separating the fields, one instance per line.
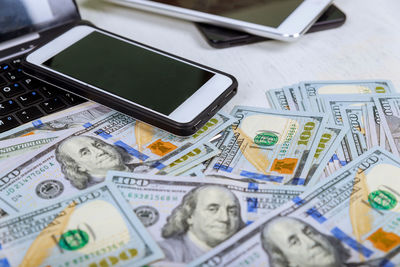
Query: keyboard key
x=31, y=83
x=16, y=62
x=29, y=114
x=49, y=90
x=12, y=90
x=4, y=67
x=8, y=106
x=52, y=104
x=8, y=123
x=72, y=99
x=29, y=98
x=14, y=75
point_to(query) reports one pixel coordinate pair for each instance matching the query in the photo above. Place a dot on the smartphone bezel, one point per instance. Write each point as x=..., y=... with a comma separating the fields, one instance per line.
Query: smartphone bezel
x=295, y=24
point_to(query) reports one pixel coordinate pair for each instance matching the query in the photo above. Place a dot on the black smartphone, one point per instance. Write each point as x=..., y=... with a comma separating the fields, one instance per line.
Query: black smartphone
x=169, y=92
x=220, y=37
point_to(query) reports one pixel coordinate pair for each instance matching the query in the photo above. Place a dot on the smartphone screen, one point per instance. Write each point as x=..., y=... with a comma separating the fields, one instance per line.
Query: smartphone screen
x=269, y=13
x=125, y=70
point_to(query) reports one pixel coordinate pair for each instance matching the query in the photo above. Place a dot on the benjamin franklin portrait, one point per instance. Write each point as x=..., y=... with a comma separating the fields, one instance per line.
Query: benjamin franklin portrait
x=290, y=242
x=207, y=216
x=86, y=160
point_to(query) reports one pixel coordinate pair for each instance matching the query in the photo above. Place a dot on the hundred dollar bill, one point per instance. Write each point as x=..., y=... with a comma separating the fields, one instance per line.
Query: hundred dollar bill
x=294, y=98
x=333, y=103
x=374, y=125
x=371, y=121
x=14, y=147
x=94, y=227
x=388, y=107
x=199, y=154
x=287, y=98
x=329, y=142
x=294, y=101
x=277, y=99
x=357, y=134
x=269, y=146
x=218, y=142
x=153, y=140
x=304, y=101
x=189, y=216
x=70, y=118
x=314, y=89
x=378, y=138
x=74, y=162
x=366, y=122
x=349, y=219
x=334, y=108
x=291, y=98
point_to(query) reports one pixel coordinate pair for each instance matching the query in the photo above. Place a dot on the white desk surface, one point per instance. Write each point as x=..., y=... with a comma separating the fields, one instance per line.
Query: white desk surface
x=367, y=46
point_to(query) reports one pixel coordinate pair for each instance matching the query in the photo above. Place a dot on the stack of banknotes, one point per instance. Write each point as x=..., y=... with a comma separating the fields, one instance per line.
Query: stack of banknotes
x=312, y=181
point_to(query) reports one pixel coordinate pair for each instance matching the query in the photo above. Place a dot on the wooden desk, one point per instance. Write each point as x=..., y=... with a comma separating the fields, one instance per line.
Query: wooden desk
x=367, y=46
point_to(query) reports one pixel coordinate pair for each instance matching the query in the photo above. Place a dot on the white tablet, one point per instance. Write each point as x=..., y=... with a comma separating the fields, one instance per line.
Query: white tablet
x=278, y=19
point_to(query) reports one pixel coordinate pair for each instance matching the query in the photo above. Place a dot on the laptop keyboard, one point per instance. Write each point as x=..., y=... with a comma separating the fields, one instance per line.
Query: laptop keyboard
x=23, y=99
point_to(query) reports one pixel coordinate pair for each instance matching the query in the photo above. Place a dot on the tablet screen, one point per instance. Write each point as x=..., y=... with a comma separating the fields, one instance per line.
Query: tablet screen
x=264, y=12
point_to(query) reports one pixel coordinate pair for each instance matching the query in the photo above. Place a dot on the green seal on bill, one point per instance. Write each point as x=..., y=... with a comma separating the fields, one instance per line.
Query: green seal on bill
x=74, y=239
x=382, y=200
x=266, y=139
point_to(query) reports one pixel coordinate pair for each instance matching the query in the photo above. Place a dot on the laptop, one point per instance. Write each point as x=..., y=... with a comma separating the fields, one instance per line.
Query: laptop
x=24, y=25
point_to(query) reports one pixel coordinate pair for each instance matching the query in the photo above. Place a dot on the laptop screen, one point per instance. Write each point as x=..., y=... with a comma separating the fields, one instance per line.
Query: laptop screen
x=19, y=17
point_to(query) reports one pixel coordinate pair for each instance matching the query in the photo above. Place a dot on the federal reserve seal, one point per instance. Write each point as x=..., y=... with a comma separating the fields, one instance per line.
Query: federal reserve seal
x=382, y=200
x=147, y=215
x=266, y=138
x=49, y=189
